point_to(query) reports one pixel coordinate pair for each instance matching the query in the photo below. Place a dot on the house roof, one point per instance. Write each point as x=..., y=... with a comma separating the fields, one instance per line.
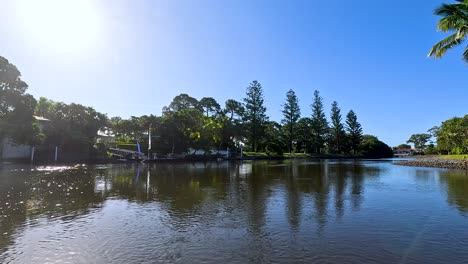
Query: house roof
x=40, y=118
x=105, y=133
x=403, y=149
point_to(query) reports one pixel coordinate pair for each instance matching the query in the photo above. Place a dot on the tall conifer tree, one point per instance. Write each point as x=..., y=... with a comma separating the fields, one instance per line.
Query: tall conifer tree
x=319, y=123
x=291, y=114
x=255, y=114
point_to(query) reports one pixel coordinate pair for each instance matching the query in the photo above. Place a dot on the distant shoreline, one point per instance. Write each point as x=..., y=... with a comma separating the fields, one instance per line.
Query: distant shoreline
x=188, y=158
x=434, y=162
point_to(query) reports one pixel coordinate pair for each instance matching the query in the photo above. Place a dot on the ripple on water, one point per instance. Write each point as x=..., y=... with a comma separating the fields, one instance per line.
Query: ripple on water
x=353, y=212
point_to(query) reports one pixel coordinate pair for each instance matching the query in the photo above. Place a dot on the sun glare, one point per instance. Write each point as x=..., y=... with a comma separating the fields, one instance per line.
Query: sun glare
x=66, y=25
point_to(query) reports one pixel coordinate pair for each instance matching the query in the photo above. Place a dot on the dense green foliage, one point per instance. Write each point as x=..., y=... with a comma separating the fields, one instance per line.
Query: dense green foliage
x=372, y=147
x=455, y=20
x=72, y=127
x=304, y=134
x=451, y=138
x=16, y=106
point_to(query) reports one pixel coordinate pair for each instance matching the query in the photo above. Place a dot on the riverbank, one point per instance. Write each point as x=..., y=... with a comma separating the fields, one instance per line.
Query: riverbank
x=284, y=156
x=436, y=162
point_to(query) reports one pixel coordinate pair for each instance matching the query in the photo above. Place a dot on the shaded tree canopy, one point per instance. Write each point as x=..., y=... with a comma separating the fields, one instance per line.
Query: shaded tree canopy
x=372, y=147
x=210, y=106
x=181, y=102
x=234, y=109
x=73, y=126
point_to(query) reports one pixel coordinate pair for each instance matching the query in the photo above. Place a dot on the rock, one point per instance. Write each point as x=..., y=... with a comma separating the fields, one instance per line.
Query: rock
x=436, y=163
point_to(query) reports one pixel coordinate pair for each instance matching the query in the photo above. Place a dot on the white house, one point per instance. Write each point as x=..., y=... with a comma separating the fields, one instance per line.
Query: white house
x=105, y=136
x=11, y=150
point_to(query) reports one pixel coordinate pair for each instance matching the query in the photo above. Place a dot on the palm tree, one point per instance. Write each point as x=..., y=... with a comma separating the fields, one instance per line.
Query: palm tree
x=454, y=19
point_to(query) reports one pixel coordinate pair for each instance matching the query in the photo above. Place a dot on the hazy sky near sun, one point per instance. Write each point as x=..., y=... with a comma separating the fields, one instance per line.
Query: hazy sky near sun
x=132, y=57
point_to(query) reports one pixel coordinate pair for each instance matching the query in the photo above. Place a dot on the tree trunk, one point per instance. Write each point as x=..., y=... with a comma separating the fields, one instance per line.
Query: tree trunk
x=1, y=148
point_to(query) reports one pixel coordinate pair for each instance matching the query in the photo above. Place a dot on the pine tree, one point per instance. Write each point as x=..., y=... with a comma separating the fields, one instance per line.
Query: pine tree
x=291, y=113
x=304, y=131
x=354, y=130
x=337, y=133
x=319, y=123
x=255, y=114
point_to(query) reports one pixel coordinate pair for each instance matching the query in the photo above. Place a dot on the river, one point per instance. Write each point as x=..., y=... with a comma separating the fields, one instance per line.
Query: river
x=252, y=212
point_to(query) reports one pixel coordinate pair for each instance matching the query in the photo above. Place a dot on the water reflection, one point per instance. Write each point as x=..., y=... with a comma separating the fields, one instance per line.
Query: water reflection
x=28, y=195
x=456, y=182
x=263, y=204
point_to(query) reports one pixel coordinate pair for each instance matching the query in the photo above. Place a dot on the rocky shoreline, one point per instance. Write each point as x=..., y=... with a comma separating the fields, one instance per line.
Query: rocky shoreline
x=436, y=163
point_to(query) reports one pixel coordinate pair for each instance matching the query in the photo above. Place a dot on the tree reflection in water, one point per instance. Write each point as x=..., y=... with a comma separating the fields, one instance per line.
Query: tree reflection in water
x=246, y=201
x=456, y=182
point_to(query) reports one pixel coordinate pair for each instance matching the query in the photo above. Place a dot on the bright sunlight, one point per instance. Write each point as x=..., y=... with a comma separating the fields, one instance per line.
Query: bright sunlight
x=62, y=25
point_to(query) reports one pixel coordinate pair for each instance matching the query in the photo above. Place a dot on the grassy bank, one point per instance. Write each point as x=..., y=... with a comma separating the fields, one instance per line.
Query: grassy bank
x=452, y=157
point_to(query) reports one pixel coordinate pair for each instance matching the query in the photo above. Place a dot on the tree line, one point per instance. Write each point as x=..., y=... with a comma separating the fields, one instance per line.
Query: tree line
x=186, y=123
x=451, y=137
x=204, y=124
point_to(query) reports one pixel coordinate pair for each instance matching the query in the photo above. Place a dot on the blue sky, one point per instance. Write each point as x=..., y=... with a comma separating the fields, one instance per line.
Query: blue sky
x=369, y=56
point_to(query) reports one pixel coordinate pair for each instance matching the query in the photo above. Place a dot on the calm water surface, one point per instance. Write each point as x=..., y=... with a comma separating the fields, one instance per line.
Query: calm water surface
x=251, y=212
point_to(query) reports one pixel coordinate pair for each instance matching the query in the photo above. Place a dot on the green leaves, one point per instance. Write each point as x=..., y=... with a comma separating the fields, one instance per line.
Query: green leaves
x=210, y=106
x=72, y=126
x=16, y=107
x=454, y=18
x=372, y=147
x=419, y=141
x=452, y=136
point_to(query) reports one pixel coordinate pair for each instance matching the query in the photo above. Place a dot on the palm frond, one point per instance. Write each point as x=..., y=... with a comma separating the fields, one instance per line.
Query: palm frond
x=454, y=16
x=439, y=49
x=461, y=33
x=465, y=54
x=452, y=23
x=451, y=9
x=454, y=19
